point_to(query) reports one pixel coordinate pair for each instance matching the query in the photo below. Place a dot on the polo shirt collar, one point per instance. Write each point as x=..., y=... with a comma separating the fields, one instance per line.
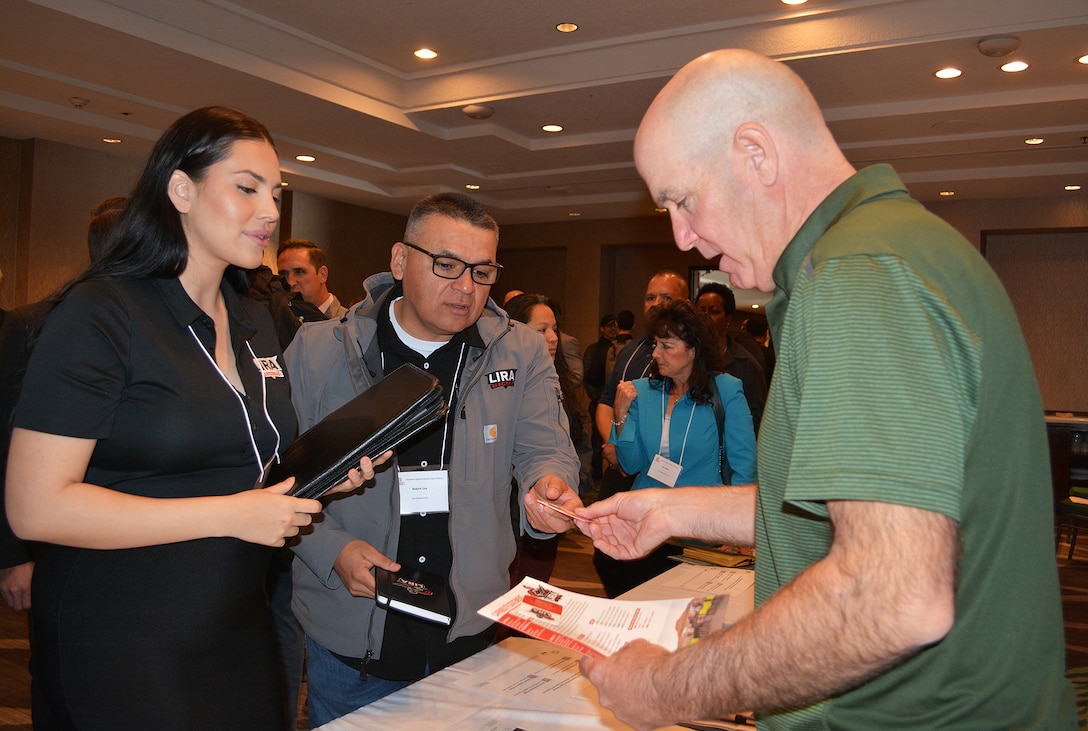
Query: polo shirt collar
x=186, y=312
x=876, y=181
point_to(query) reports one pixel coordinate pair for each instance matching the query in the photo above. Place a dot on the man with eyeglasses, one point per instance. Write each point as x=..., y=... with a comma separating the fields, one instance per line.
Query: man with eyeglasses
x=445, y=506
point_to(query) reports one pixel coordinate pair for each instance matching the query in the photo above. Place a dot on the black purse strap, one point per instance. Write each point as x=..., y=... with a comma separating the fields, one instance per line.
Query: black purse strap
x=719, y=415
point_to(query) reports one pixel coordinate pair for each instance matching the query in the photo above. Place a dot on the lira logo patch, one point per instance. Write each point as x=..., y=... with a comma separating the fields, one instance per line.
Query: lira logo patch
x=502, y=379
x=270, y=367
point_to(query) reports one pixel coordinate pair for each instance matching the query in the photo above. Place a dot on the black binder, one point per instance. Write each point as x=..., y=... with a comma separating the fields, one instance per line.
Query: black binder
x=375, y=421
x=413, y=591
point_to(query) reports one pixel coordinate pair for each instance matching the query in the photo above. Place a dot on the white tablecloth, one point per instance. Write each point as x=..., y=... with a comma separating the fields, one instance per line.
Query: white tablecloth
x=525, y=684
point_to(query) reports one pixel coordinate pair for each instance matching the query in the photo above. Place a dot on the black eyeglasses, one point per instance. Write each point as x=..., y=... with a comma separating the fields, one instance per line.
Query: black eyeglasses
x=450, y=267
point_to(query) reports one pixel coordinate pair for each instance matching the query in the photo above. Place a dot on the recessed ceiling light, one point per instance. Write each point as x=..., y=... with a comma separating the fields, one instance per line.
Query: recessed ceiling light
x=661, y=210
x=948, y=193
x=1072, y=187
x=552, y=128
x=284, y=184
x=567, y=27
x=425, y=53
x=1033, y=141
x=948, y=73
x=305, y=158
x=111, y=140
x=794, y=2
x=1083, y=59
x=574, y=214
x=1013, y=67
x=472, y=186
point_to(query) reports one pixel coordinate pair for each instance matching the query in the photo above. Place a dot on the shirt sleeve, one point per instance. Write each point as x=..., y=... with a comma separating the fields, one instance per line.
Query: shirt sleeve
x=630, y=448
x=77, y=370
x=897, y=367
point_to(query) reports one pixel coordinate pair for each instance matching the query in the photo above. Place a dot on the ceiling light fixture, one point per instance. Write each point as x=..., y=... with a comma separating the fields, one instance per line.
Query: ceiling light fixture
x=794, y=2
x=1033, y=141
x=998, y=46
x=567, y=27
x=1013, y=67
x=425, y=53
x=472, y=186
x=948, y=73
x=552, y=128
x=1072, y=187
x=78, y=102
x=478, y=111
x=1083, y=59
x=284, y=184
x=574, y=214
x=948, y=193
x=305, y=158
x=111, y=140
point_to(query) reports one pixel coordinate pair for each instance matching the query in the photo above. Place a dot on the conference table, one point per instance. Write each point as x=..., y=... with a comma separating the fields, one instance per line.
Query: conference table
x=524, y=684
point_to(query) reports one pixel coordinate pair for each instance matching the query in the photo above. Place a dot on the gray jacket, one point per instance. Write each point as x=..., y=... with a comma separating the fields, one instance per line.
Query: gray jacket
x=509, y=423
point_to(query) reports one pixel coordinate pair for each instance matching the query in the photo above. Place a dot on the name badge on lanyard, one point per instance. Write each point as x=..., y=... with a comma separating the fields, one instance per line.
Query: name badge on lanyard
x=664, y=470
x=424, y=491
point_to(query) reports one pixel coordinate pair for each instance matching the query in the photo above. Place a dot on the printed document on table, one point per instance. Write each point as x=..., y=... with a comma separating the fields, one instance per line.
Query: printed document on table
x=598, y=627
x=546, y=679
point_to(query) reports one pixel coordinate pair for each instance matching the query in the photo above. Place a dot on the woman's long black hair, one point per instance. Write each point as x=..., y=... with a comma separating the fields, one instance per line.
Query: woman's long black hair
x=149, y=240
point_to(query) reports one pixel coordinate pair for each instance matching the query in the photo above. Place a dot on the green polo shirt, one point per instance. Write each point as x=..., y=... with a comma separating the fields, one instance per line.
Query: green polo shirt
x=902, y=377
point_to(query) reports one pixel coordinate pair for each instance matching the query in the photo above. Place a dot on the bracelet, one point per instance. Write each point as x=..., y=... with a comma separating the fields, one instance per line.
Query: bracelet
x=621, y=422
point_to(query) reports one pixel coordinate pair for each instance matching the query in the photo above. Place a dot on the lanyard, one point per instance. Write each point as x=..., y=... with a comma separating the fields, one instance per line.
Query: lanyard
x=261, y=465
x=665, y=421
x=454, y=387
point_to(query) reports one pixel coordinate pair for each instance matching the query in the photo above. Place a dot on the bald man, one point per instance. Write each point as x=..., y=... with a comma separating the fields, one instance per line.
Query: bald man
x=905, y=572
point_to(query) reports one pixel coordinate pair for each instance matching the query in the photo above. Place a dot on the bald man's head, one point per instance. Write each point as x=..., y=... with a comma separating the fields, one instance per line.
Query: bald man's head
x=704, y=104
x=737, y=150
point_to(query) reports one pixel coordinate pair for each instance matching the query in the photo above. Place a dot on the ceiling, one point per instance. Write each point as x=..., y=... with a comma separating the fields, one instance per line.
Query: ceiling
x=337, y=79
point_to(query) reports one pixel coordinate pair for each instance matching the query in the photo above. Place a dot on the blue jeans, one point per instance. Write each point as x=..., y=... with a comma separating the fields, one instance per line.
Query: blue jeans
x=334, y=689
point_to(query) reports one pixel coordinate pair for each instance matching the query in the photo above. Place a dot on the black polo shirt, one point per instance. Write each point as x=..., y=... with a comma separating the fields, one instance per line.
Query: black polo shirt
x=130, y=364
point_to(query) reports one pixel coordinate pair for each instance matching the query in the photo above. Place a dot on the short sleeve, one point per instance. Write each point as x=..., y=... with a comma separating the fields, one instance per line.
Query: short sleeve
x=77, y=369
x=889, y=389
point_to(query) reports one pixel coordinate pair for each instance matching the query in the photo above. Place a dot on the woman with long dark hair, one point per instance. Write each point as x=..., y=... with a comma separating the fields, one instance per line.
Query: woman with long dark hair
x=666, y=427
x=154, y=395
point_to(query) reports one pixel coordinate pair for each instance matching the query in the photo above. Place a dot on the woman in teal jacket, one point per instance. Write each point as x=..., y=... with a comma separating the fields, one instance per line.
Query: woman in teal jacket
x=677, y=394
x=664, y=427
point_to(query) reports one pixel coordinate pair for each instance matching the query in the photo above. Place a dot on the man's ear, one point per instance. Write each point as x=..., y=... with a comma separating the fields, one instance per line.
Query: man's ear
x=755, y=148
x=396, y=260
x=180, y=190
x=323, y=274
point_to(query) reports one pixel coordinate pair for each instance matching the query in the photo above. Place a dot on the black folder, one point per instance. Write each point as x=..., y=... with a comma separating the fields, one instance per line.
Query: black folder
x=372, y=423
